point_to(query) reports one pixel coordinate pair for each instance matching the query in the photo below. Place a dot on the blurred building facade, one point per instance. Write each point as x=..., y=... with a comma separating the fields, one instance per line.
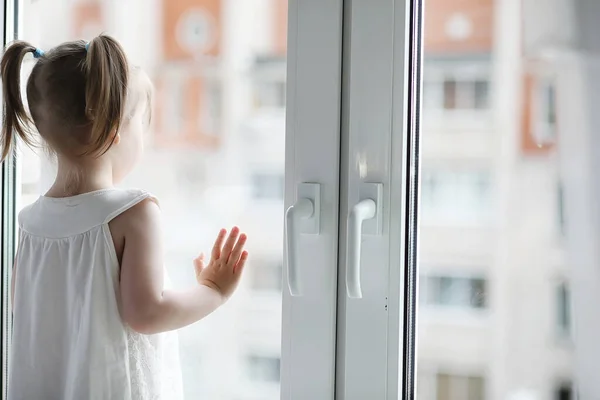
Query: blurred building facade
x=494, y=300
x=494, y=294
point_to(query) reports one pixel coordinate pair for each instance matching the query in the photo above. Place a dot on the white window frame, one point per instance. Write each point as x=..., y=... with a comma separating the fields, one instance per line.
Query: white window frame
x=10, y=25
x=314, y=68
x=380, y=145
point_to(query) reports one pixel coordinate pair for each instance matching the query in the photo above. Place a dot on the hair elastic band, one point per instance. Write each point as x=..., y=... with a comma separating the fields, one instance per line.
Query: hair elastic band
x=87, y=46
x=37, y=53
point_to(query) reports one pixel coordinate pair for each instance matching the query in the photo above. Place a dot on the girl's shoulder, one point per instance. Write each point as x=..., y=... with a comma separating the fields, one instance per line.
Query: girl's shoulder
x=121, y=200
x=59, y=217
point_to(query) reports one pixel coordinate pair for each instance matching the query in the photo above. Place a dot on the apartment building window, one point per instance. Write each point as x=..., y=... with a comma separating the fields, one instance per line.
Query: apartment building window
x=454, y=291
x=263, y=368
x=561, y=208
x=465, y=95
x=265, y=275
x=270, y=93
x=563, y=309
x=211, y=108
x=267, y=186
x=456, y=85
x=544, y=107
x=455, y=196
x=456, y=387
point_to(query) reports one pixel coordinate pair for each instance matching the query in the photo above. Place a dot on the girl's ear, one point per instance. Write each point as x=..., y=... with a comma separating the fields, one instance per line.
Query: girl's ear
x=117, y=139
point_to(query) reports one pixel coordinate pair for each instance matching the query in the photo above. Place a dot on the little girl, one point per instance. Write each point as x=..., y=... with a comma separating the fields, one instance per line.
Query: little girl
x=92, y=317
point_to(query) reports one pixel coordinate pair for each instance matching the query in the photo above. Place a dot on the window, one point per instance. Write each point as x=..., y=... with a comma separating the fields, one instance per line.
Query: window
x=270, y=94
x=452, y=85
x=211, y=109
x=265, y=275
x=563, y=309
x=452, y=291
x=458, y=196
x=201, y=187
x=561, y=208
x=269, y=84
x=453, y=387
x=263, y=368
x=463, y=95
x=267, y=186
x=481, y=95
x=545, y=112
x=353, y=122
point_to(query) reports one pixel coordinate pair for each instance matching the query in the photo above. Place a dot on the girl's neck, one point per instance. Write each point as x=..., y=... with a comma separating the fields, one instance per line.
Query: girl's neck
x=72, y=180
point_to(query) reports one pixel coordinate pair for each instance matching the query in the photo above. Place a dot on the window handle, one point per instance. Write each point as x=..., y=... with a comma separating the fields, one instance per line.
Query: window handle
x=300, y=218
x=365, y=211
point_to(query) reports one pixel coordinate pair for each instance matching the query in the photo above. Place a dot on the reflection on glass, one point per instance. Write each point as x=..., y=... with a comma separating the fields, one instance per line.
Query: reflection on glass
x=494, y=284
x=214, y=158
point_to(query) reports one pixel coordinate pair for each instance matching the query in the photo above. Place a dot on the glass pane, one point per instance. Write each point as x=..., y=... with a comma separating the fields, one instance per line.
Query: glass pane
x=493, y=243
x=214, y=157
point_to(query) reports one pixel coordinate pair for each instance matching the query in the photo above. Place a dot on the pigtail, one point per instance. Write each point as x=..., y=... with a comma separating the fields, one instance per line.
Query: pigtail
x=106, y=90
x=15, y=118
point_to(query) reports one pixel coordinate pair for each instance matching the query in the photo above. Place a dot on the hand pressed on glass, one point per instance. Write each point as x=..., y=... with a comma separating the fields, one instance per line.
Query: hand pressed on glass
x=147, y=306
x=226, y=265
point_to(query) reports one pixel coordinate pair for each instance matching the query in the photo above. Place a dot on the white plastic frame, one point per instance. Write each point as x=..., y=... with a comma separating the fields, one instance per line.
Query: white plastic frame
x=312, y=155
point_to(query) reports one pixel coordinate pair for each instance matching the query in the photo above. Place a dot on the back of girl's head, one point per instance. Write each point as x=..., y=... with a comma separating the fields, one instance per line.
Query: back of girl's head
x=76, y=94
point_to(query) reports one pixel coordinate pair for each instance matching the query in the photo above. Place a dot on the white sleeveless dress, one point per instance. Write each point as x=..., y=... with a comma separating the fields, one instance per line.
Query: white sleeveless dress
x=69, y=342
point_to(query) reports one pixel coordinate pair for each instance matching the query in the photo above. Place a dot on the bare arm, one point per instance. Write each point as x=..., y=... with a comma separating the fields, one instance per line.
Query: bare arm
x=145, y=306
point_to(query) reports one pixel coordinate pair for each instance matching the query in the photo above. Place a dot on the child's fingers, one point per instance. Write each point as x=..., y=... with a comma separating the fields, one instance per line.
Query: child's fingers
x=199, y=264
x=230, y=242
x=216, y=251
x=237, y=250
x=199, y=261
x=239, y=267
